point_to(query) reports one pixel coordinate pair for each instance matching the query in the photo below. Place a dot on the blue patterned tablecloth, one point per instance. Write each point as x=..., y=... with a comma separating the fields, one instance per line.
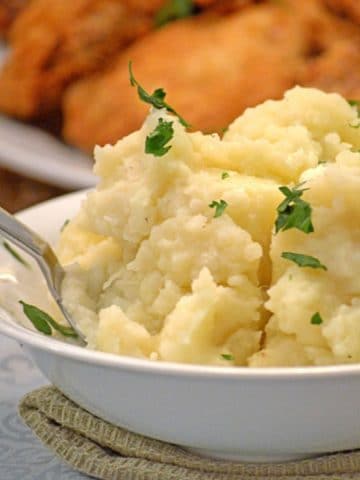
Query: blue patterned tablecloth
x=22, y=457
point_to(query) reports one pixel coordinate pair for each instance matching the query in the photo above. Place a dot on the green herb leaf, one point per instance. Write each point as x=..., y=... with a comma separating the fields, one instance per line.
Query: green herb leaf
x=156, y=99
x=219, y=207
x=67, y=221
x=227, y=356
x=225, y=175
x=38, y=320
x=354, y=103
x=156, y=140
x=303, y=260
x=293, y=212
x=316, y=319
x=44, y=323
x=15, y=254
x=173, y=10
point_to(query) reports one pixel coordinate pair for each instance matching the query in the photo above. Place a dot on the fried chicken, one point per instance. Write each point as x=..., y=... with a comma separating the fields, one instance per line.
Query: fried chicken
x=149, y=6
x=230, y=55
x=337, y=70
x=52, y=45
x=347, y=8
x=9, y=9
x=212, y=68
x=254, y=54
x=334, y=65
x=225, y=6
x=153, y=6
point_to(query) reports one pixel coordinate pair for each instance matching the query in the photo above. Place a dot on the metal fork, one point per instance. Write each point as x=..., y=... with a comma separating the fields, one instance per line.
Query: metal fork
x=31, y=243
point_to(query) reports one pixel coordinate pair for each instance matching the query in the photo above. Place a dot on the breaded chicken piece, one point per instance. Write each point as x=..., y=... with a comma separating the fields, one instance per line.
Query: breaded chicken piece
x=348, y=8
x=152, y=6
x=145, y=6
x=334, y=64
x=225, y=6
x=54, y=44
x=337, y=70
x=161, y=8
x=211, y=67
x=9, y=9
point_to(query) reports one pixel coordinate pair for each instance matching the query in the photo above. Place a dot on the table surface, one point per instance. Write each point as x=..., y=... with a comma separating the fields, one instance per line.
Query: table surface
x=18, y=192
x=21, y=455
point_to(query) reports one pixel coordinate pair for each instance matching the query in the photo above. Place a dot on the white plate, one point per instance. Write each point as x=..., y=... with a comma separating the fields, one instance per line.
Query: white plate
x=34, y=153
x=252, y=414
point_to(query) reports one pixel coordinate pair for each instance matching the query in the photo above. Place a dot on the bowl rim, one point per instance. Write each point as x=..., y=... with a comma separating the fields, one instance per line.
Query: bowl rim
x=61, y=348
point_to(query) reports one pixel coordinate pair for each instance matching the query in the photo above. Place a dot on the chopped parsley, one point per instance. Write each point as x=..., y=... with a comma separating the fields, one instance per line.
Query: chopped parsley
x=156, y=142
x=354, y=103
x=44, y=323
x=156, y=99
x=224, y=175
x=173, y=10
x=227, y=356
x=219, y=207
x=67, y=221
x=303, y=260
x=293, y=212
x=15, y=254
x=316, y=319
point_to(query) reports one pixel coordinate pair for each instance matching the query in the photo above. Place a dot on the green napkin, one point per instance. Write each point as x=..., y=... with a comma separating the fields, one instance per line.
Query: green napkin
x=101, y=450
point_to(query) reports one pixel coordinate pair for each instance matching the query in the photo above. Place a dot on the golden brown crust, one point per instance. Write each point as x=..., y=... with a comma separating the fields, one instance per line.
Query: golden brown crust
x=334, y=65
x=254, y=54
x=212, y=68
x=9, y=9
x=347, y=8
x=324, y=72
x=234, y=54
x=54, y=46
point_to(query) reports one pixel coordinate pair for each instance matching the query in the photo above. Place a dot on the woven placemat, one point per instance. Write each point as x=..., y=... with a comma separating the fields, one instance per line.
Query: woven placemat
x=101, y=450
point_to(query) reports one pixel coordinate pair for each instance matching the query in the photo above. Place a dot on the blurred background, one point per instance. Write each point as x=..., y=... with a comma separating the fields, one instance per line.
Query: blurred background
x=64, y=80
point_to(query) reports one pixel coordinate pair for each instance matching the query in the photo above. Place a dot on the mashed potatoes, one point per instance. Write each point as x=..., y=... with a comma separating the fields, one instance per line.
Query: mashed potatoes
x=153, y=273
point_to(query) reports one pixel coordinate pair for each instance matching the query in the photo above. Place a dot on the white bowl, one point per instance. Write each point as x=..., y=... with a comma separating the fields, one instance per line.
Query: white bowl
x=249, y=414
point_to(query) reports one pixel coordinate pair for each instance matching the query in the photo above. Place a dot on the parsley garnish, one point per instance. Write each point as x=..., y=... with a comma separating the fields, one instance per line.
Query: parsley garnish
x=156, y=140
x=67, y=221
x=156, y=99
x=293, y=212
x=227, y=356
x=15, y=254
x=219, y=207
x=316, y=319
x=44, y=323
x=354, y=103
x=303, y=260
x=172, y=10
x=224, y=175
